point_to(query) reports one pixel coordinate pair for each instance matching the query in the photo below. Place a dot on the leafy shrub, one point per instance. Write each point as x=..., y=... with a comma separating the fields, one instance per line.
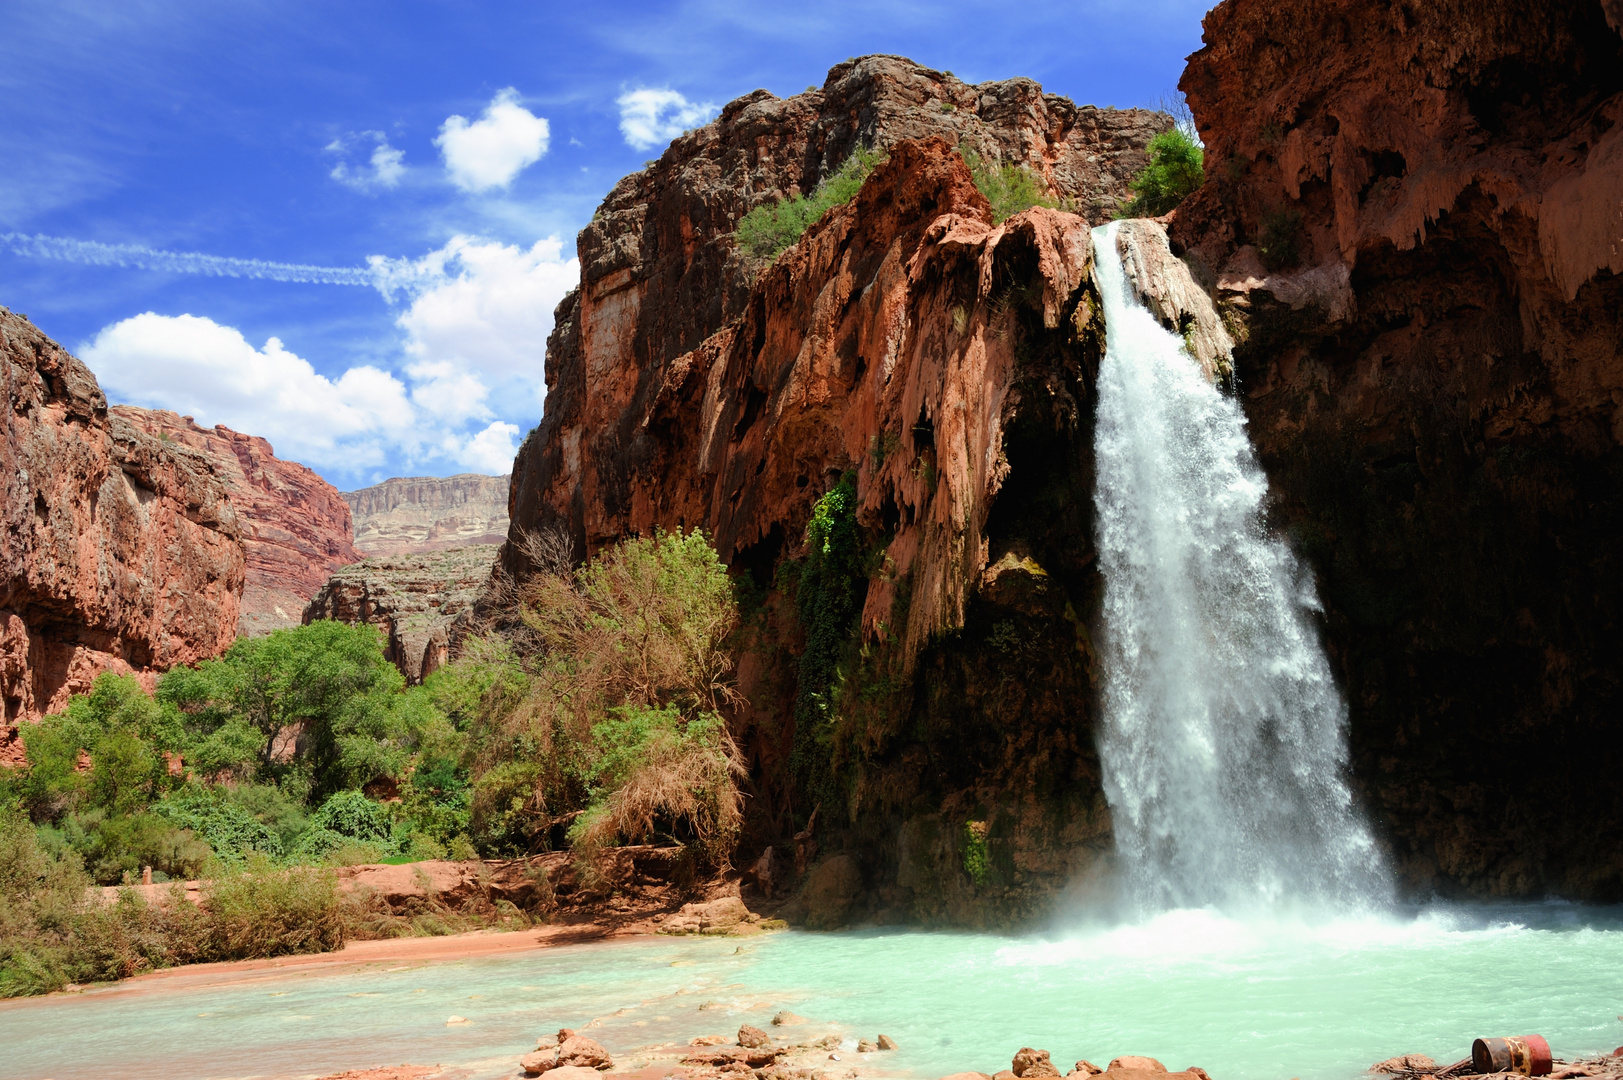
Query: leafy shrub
x=1009, y=188
x=1278, y=241
x=771, y=228
x=1176, y=168
x=229, y=829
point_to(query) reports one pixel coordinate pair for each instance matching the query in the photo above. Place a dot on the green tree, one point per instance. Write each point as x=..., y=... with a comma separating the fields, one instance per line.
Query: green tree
x=1176, y=168
x=326, y=684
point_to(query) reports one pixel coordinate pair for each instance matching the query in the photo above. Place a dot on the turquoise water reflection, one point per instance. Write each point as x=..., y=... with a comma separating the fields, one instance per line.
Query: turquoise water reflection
x=1247, y=1001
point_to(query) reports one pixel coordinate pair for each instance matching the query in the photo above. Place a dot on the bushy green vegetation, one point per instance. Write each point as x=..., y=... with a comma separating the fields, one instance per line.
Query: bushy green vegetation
x=1176, y=168
x=613, y=731
x=771, y=228
x=598, y=722
x=1009, y=188
x=1279, y=239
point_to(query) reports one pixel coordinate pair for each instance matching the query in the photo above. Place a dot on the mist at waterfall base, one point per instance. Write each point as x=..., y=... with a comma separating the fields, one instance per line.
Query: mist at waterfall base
x=1249, y=926
x=1223, y=736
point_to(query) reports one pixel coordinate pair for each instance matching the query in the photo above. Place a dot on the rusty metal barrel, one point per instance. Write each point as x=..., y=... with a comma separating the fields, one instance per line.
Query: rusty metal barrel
x=1525, y=1054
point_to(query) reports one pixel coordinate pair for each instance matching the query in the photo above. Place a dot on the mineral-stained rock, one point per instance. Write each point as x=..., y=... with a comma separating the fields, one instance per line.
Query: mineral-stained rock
x=717, y=916
x=830, y=890
x=1411, y=218
x=1137, y=1062
x=413, y=599
x=295, y=526
x=886, y=1043
x=428, y=513
x=120, y=552
x=786, y=1017
x=753, y=1037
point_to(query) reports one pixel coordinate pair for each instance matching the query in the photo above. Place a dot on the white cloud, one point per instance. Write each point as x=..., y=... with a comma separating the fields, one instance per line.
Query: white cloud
x=490, y=451
x=475, y=319
x=200, y=368
x=649, y=118
x=479, y=318
x=384, y=168
x=490, y=151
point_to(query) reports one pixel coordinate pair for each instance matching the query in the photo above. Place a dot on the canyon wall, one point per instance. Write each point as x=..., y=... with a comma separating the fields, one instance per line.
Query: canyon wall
x=120, y=551
x=660, y=272
x=415, y=599
x=1412, y=220
x=930, y=362
x=296, y=527
x=414, y=514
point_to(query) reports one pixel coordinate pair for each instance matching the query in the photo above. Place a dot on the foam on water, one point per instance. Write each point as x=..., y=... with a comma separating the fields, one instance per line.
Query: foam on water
x=1223, y=733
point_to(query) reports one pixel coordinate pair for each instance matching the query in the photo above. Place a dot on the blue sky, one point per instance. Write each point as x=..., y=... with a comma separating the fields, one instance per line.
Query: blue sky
x=423, y=169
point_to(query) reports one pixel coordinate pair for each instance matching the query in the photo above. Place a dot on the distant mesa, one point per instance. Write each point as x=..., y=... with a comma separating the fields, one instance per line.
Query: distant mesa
x=415, y=514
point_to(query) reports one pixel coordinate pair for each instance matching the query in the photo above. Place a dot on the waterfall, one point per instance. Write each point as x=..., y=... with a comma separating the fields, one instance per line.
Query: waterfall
x=1223, y=738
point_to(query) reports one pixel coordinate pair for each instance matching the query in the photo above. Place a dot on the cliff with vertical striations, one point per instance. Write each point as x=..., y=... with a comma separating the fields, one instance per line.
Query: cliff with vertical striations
x=295, y=526
x=1414, y=221
x=120, y=551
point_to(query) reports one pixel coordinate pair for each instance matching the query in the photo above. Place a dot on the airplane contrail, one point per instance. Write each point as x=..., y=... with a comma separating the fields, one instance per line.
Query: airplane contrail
x=182, y=262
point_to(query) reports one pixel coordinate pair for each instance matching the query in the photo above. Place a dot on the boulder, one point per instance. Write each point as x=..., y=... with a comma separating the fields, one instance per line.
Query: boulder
x=1135, y=1062
x=1085, y=1068
x=722, y=915
x=866, y=1046
x=886, y=1042
x=753, y=1037
x=830, y=891
x=581, y=1051
x=1033, y=1063
x=787, y=1017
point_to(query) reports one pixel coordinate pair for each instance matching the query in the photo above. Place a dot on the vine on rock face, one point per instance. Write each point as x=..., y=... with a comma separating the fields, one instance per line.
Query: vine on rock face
x=828, y=598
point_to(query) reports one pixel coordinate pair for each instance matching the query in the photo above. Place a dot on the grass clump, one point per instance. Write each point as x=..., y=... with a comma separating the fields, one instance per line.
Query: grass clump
x=1176, y=168
x=1009, y=188
x=771, y=228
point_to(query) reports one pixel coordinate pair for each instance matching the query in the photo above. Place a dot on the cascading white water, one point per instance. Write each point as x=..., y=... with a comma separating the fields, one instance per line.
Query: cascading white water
x=1223, y=737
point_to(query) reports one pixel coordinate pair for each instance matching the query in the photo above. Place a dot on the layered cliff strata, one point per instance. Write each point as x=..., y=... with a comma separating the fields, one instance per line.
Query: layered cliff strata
x=296, y=527
x=429, y=513
x=414, y=599
x=120, y=551
x=1412, y=220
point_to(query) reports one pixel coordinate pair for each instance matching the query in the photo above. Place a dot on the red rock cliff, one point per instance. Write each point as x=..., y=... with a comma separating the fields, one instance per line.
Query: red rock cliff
x=296, y=527
x=940, y=359
x=120, y=552
x=1433, y=369
x=660, y=272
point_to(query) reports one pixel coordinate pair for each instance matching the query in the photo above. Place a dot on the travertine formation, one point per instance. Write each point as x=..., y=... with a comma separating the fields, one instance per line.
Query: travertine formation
x=413, y=599
x=295, y=526
x=429, y=513
x=120, y=551
x=1433, y=374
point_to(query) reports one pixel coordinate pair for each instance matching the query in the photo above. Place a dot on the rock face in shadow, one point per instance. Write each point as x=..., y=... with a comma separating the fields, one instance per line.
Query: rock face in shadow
x=407, y=515
x=1412, y=222
x=120, y=551
x=295, y=526
x=939, y=361
x=413, y=599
